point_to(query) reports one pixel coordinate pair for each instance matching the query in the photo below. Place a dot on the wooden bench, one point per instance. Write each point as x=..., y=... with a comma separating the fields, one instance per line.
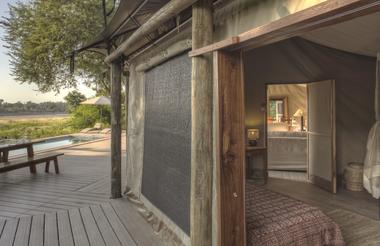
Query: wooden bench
x=30, y=160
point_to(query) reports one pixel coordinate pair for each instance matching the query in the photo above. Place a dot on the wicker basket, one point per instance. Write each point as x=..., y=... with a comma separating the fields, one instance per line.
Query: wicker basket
x=354, y=176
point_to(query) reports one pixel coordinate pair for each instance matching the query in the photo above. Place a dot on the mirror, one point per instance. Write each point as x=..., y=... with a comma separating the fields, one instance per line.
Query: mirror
x=278, y=110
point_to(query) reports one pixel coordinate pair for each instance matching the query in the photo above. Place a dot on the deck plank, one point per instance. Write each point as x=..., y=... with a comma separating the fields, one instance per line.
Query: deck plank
x=9, y=232
x=91, y=227
x=51, y=230
x=79, y=233
x=104, y=227
x=141, y=231
x=2, y=223
x=65, y=234
x=23, y=231
x=37, y=230
x=118, y=227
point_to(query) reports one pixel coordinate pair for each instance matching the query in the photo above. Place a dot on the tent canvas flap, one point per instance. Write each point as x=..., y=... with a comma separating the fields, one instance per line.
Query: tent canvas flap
x=371, y=177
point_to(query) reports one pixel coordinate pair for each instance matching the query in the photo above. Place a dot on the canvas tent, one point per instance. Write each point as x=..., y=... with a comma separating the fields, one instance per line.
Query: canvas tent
x=186, y=116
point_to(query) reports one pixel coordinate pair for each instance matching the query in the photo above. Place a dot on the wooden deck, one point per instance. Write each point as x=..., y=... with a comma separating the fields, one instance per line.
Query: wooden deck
x=71, y=208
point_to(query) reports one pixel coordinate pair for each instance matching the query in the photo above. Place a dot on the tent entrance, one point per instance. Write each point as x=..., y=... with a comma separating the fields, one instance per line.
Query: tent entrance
x=298, y=60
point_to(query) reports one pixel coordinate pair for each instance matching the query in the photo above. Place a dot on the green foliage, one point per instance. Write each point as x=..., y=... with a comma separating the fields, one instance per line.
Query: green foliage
x=33, y=129
x=31, y=107
x=40, y=36
x=73, y=99
x=87, y=115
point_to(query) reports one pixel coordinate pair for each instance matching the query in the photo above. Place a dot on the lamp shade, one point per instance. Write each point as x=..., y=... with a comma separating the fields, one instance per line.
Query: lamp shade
x=253, y=134
x=298, y=113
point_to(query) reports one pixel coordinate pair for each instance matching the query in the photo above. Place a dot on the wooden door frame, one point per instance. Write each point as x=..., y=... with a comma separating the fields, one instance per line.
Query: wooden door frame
x=229, y=123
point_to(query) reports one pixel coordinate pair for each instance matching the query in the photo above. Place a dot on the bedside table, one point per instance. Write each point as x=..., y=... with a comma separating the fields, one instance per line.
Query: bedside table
x=258, y=175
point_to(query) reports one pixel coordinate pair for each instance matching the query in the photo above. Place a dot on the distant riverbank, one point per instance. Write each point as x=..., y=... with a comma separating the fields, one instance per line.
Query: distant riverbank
x=35, y=126
x=42, y=116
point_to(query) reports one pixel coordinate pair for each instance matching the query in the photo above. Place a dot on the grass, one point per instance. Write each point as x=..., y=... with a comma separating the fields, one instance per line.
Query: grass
x=35, y=128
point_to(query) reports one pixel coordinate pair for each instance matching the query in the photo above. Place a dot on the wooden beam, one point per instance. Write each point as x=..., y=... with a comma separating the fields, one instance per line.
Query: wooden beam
x=216, y=46
x=171, y=9
x=202, y=133
x=116, y=70
x=173, y=50
x=230, y=146
x=321, y=15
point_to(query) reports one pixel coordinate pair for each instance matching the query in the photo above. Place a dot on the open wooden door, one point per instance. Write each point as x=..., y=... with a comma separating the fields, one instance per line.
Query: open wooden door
x=230, y=147
x=321, y=134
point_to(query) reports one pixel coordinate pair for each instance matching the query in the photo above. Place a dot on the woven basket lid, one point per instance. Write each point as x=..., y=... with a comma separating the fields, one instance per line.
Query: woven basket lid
x=356, y=165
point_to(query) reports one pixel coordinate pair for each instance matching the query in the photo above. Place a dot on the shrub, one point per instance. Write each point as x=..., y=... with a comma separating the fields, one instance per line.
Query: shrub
x=87, y=115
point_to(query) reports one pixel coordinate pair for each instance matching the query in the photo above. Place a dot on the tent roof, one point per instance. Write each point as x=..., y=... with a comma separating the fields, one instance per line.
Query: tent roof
x=360, y=35
x=129, y=16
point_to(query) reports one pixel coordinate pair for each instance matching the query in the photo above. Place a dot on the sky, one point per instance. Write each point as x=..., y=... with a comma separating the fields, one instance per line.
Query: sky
x=11, y=90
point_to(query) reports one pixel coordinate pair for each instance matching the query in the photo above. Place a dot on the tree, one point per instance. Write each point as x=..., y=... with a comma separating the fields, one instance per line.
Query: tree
x=73, y=99
x=41, y=35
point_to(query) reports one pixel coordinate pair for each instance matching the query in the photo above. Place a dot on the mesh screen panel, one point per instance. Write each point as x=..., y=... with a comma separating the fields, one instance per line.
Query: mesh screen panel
x=167, y=139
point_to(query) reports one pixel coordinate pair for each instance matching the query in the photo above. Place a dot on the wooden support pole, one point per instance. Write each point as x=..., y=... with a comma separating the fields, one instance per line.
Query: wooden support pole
x=116, y=70
x=202, y=130
x=126, y=111
x=126, y=102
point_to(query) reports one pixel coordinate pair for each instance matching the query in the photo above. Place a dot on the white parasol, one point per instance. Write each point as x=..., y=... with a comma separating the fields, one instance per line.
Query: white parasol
x=102, y=100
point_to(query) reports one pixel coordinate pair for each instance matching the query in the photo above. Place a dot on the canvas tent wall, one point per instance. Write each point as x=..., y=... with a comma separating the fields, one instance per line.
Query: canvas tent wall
x=158, y=151
x=371, y=174
x=300, y=61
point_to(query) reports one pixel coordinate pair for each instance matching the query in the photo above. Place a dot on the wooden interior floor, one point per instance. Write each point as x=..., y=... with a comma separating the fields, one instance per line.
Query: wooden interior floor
x=289, y=175
x=357, y=213
x=71, y=208
x=358, y=202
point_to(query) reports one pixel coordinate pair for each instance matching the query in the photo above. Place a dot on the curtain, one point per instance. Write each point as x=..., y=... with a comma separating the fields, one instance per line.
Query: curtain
x=372, y=159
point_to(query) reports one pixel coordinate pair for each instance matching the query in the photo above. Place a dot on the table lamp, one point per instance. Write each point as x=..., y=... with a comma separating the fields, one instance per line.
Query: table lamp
x=253, y=135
